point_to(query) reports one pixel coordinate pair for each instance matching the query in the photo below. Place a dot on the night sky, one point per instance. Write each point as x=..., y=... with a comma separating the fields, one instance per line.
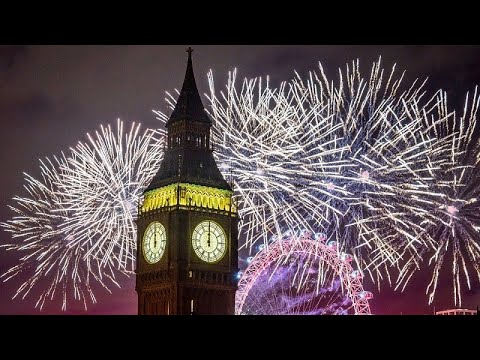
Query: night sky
x=51, y=96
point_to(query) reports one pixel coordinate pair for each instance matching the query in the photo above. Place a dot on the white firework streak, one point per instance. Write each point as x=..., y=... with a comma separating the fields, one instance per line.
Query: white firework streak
x=255, y=134
x=356, y=158
x=49, y=257
x=78, y=224
x=102, y=185
x=453, y=223
x=371, y=196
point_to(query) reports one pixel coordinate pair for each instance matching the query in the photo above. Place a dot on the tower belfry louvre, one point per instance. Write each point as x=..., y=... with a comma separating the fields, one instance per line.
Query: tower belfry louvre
x=187, y=225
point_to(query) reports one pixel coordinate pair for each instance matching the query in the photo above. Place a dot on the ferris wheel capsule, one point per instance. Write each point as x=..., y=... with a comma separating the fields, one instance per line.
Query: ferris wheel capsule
x=306, y=233
x=366, y=295
x=320, y=237
x=346, y=257
x=249, y=259
x=356, y=274
x=332, y=244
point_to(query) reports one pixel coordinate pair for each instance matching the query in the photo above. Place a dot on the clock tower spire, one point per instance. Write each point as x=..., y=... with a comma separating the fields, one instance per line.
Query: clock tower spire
x=187, y=225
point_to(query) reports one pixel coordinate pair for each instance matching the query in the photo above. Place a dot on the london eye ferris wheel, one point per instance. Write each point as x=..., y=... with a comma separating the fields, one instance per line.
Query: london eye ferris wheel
x=301, y=275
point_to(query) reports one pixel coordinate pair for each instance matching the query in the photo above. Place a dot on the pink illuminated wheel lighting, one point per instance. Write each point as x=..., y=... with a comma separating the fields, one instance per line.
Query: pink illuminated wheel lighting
x=301, y=275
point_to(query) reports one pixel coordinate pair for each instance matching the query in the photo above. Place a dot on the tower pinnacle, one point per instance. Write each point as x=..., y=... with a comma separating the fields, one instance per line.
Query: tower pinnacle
x=189, y=105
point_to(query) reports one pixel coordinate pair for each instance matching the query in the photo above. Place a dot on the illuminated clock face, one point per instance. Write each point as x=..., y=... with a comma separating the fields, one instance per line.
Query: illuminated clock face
x=154, y=242
x=209, y=241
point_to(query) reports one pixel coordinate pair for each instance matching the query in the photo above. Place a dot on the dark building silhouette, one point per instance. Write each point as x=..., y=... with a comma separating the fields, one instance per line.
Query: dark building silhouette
x=187, y=225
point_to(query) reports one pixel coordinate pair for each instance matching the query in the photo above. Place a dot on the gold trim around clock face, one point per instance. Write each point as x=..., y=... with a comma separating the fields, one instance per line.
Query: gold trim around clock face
x=154, y=242
x=209, y=241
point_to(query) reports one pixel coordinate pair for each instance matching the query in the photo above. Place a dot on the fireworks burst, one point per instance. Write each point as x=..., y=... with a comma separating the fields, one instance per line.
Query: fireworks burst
x=371, y=196
x=50, y=257
x=102, y=184
x=453, y=222
x=356, y=158
x=255, y=135
x=77, y=225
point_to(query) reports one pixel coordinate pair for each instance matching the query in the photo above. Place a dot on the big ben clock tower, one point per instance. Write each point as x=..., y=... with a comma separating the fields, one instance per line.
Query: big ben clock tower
x=187, y=238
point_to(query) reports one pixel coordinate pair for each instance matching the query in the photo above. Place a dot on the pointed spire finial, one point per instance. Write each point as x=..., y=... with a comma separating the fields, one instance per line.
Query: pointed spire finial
x=189, y=104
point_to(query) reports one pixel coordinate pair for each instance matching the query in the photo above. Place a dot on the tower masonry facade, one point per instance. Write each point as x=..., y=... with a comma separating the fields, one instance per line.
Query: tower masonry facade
x=187, y=224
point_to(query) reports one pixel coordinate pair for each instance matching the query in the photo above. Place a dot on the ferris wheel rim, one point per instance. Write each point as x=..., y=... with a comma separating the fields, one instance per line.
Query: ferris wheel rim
x=303, y=245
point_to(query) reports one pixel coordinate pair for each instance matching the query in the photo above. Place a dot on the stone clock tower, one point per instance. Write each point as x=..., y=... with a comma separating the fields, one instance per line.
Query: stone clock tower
x=187, y=242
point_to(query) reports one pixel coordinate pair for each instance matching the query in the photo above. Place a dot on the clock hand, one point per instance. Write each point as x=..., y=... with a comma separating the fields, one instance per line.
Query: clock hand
x=208, y=242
